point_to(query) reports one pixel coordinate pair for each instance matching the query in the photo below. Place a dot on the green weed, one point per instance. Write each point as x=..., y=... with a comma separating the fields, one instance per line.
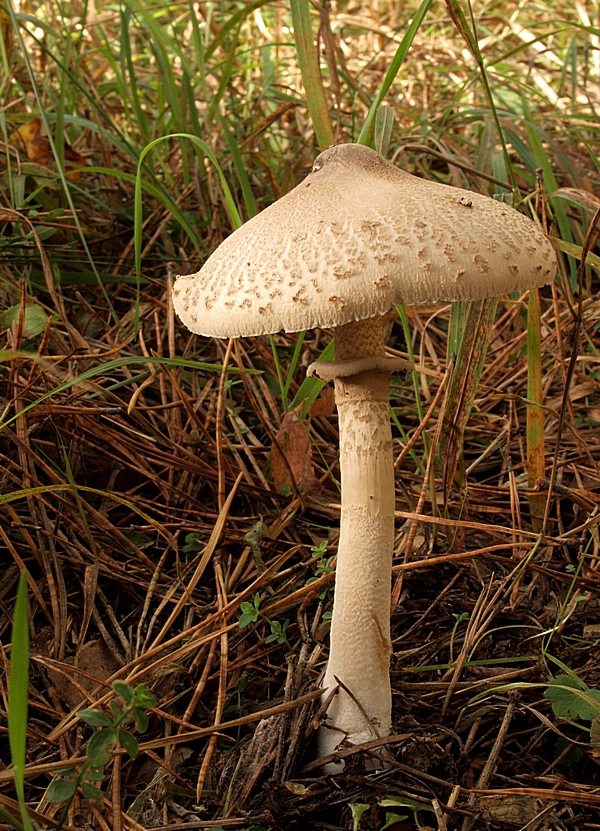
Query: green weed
x=127, y=711
x=251, y=614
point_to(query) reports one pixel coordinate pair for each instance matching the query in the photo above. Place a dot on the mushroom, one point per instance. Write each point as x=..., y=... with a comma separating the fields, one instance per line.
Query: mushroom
x=357, y=237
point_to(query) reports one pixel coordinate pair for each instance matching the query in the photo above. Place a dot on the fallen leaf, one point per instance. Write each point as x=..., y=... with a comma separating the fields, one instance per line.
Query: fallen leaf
x=35, y=321
x=29, y=139
x=517, y=810
x=97, y=660
x=582, y=197
x=324, y=405
x=292, y=456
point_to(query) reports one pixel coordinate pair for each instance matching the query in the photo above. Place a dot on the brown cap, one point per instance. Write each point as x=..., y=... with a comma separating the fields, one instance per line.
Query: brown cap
x=355, y=238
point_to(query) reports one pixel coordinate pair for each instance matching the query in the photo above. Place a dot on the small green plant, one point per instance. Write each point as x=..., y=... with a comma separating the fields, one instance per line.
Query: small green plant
x=391, y=817
x=323, y=567
x=130, y=706
x=240, y=687
x=192, y=543
x=567, y=753
x=358, y=810
x=459, y=618
x=574, y=701
x=319, y=550
x=403, y=802
x=278, y=631
x=251, y=613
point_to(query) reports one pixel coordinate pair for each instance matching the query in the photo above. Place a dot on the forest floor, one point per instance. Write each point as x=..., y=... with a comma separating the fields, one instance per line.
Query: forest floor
x=157, y=486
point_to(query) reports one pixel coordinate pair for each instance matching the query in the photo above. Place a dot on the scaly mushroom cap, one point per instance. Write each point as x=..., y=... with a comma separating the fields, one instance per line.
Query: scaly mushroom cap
x=355, y=238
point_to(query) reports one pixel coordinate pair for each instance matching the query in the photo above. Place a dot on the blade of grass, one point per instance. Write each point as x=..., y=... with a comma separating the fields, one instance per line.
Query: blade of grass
x=59, y=124
x=308, y=59
x=456, y=327
x=471, y=40
x=415, y=382
x=411, y=357
x=394, y=68
x=384, y=124
x=240, y=168
x=576, y=251
x=60, y=168
x=293, y=364
x=127, y=60
x=279, y=372
x=107, y=367
x=233, y=23
x=536, y=140
x=230, y=204
x=311, y=387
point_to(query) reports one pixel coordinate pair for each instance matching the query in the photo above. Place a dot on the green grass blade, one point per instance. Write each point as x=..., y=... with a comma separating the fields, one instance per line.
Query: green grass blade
x=394, y=68
x=576, y=251
x=279, y=372
x=234, y=215
x=59, y=124
x=411, y=356
x=469, y=35
x=240, y=168
x=456, y=327
x=308, y=59
x=233, y=23
x=227, y=69
x=536, y=139
x=127, y=59
x=18, y=695
x=311, y=387
x=106, y=368
x=384, y=124
x=60, y=168
x=293, y=364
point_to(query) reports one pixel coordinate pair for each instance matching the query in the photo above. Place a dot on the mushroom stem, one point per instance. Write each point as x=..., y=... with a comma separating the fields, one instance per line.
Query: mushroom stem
x=360, y=627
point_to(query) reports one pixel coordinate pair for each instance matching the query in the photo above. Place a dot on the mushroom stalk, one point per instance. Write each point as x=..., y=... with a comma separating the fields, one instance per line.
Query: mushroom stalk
x=360, y=648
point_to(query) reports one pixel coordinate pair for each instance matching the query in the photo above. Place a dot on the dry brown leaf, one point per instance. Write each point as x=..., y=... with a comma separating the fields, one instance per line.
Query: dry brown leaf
x=292, y=456
x=29, y=139
x=517, y=810
x=324, y=405
x=95, y=659
x=580, y=196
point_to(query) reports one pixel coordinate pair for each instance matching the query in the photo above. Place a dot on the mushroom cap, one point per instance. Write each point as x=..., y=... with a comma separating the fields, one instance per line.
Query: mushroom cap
x=354, y=239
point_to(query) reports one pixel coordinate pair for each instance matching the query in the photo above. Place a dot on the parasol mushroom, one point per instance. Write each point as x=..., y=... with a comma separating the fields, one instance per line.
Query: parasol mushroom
x=357, y=237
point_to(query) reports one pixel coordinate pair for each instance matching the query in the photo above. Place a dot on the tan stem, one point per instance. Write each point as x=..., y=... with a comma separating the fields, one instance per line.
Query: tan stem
x=360, y=626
